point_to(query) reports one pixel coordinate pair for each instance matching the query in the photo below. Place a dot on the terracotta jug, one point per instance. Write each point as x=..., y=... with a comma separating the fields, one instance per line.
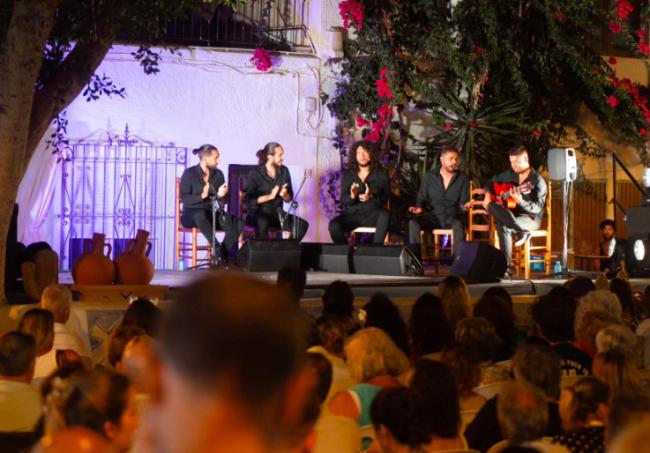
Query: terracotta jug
x=133, y=266
x=93, y=267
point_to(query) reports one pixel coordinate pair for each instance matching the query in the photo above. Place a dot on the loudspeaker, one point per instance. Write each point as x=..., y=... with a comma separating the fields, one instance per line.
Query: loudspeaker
x=479, y=262
x=268, y=256
x=386, y=260
x=562, y=164
x=326, y=257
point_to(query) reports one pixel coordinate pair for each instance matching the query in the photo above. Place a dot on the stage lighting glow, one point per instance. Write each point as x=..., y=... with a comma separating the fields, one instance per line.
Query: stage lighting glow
x=639, y=250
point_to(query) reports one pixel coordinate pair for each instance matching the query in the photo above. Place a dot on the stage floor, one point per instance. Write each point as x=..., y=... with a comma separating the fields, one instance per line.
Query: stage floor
x=365, y=286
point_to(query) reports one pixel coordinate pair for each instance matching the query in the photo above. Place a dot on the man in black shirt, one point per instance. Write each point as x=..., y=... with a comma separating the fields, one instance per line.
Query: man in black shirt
x=200, y=185
x=267, y=187
x=612, y=247
x=441, y=202
x=364, y=193
x=528, y=210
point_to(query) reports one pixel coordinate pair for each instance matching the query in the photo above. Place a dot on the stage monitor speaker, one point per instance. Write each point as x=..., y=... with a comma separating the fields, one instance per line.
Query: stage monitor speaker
x=562, y=164
x=386, y=260
x=268, y=256
x=326, y=257
x=479, y=262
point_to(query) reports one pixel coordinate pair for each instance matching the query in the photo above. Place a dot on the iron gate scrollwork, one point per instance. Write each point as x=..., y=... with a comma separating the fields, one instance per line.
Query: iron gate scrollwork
x=116, y=188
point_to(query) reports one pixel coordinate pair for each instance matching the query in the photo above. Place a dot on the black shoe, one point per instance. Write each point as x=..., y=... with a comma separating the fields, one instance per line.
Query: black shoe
x=525, y=235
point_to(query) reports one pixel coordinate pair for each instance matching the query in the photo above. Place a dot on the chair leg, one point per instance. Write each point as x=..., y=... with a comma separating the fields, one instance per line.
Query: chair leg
x=451, y=244
x=177, y=249
x=436, y=252
x=194, y=240
x=527, y=260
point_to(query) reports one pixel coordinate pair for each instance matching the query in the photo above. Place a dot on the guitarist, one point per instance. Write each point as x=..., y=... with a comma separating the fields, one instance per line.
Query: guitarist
x=526, y=205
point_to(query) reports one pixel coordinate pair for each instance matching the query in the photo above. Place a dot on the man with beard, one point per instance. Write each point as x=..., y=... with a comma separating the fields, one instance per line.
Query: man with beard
x=267, y=187
x=442, y=201
x=364, y=193
x=200, y=186
x=612, y=247
x=526, y=190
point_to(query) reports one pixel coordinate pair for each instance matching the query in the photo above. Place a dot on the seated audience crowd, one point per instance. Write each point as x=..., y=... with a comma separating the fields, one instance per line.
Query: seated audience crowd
x=233, y=364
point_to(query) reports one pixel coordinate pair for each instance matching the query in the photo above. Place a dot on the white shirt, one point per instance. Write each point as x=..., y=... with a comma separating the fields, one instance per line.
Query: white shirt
x=64, y=339
x=45, y=364
x=20, y=406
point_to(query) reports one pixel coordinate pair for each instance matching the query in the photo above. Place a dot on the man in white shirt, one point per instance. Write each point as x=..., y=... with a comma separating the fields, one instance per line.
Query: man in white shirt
x=58, y=300
x=20, y=404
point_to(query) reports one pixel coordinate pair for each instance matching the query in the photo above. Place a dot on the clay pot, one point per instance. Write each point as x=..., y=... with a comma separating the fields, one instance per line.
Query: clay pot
x=93, y=267
x=133, y=266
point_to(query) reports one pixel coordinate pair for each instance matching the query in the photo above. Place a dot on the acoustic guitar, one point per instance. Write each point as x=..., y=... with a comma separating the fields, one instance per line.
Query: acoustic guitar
x=502, y=191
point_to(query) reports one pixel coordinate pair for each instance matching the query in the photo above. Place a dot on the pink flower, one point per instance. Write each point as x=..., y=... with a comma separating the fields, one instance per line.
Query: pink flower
x=641, y=34
x=383, y=90
x=643, y=131
x=613, y=101
x=352, y=13
x=383, y=72
x=612, y=60
x=261, y=59
x=473, y=124
x=537, y=133
x=623, y=9
x=361, y=122
x=447, y=126
x=615, y=27
x=643, y=48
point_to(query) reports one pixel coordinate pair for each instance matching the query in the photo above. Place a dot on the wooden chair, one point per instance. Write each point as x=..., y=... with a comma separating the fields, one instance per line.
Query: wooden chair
x=478, y=231
x=185, y=249
x=437, y=246
x=538, y=244
x=368, y=230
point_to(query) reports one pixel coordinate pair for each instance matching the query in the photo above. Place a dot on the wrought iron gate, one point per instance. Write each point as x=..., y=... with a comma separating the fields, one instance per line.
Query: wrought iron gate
x=117, y=188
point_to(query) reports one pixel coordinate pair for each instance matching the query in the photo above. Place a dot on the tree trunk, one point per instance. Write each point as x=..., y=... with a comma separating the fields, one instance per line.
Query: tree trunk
x=21, y=57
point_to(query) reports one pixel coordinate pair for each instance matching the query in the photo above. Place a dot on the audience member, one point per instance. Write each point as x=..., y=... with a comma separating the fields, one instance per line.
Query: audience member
x=76, y=439
x=54, y=391
x=141, y=364
x=39, y=324
x=620, y=338
x=397, y=419
x=455, y=299
x=338, y=301
x=144, y=314
x=617, y=370
x=534, y=364
x=588, y=327
x=332, y=339
x=20, y=404
x=598, y=300
x=381, y=312
x=464, y=367
x=58, y=300
x=523, y=417
x=583, y=409
x=580, y=286
x=635, y=439
x=230, y=348
x=499, y=291
x=103, y=401
x=293, y=279
x=479, y=335
x=375, y=362
x=118, y=341
x=625, y=409
x=429, y=330
x=632, y=315
x=553, y=317
x=500, y=314
x=435, y=388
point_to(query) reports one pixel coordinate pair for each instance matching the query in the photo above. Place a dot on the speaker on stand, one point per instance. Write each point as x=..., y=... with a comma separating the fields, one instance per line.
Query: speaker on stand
x=563, y=167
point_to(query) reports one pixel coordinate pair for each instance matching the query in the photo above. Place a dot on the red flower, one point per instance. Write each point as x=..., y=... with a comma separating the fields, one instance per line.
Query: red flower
x=612, y=60
x=643, y=48
x=361, y=122
x=352, y=14
x=613, y=101
x=261, y=59
x=383, y=72
x=473, y=124
x=559, y=16
x=383, y=90
x=643, y=131
x=641, y=34
x=447, y=126
x=537, y=133
x=615, y=27
x=623, y=9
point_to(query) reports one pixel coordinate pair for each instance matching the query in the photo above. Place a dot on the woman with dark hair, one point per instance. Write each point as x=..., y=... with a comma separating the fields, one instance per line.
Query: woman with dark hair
x=39, y=324
x=428, y=328
x=144, y=314
x=583, y=409
x=381, y=312
x=201, y=186
x=104, y=402
x=623, y=291
x=364, y=193
x=500, y=314
x=267, y=187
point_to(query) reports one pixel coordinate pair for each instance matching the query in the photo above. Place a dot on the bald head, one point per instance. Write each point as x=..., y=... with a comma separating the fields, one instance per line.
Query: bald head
x=57, y=299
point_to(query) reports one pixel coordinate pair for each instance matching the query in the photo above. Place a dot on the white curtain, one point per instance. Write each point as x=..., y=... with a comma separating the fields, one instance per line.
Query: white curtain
x=35, y=194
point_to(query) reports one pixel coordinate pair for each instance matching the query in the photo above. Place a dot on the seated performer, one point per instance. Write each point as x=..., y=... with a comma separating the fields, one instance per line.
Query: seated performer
x=364, y=192
x=267, y=187
x=516, y=199
x=441, y=202
x=613, y=247
x=200, y=185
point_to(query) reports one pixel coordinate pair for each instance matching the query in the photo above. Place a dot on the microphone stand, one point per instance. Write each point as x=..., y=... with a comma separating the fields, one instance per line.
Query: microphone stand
x=294, y=207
